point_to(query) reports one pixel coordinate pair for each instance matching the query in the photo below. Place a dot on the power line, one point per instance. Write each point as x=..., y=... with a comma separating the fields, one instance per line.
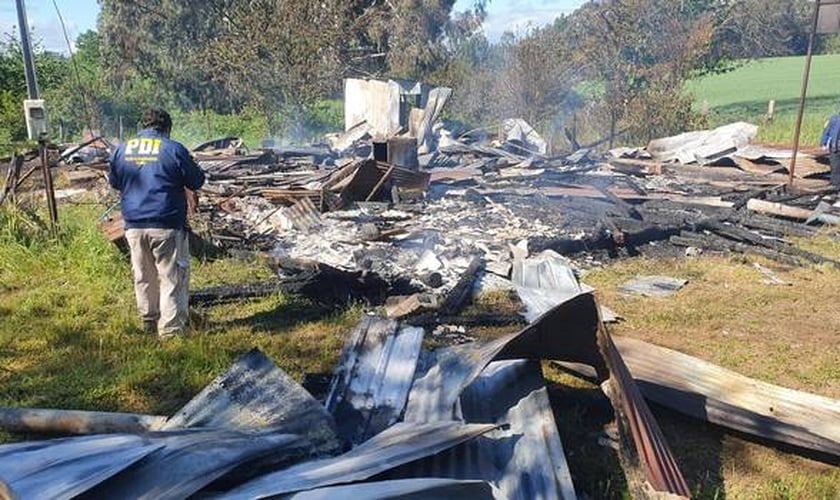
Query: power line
x=87, y=109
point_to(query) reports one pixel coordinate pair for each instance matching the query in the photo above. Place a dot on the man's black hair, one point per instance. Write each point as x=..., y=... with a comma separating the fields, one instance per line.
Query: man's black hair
x=157, y=119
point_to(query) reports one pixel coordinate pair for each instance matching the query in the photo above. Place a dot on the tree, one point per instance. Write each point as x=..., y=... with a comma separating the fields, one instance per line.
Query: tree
x=640, y=52
x=52, y=71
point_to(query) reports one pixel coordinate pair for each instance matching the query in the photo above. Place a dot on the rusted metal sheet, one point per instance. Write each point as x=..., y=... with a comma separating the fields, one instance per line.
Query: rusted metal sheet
x=371, y=382
x=191, y=460
x=304, y=215
x=431, y=488
x=255, y=394
x=406, y=178
x=398, y=445
x=572, y=331
x=646, y=445
x=64, y=468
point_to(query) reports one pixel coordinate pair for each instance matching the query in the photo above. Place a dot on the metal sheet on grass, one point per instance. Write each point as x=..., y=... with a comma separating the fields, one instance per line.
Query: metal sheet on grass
x=255, y=394
x=371, y=383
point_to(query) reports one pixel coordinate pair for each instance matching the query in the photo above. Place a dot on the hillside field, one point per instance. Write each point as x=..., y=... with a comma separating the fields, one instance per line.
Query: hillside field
x=743, y=95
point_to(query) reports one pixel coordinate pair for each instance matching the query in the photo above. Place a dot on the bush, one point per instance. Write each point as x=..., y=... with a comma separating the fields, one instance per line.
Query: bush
x=195, y=127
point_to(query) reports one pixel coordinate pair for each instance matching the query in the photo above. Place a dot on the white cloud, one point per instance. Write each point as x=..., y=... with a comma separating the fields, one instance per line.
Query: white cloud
x=520, y=16
x=45, y=27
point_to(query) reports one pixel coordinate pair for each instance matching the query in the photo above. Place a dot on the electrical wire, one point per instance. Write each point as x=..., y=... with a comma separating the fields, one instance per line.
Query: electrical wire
x=82, y=93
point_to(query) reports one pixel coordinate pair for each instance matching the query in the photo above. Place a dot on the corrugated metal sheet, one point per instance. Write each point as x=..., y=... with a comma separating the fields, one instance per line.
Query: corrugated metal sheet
x=523, y=460
x=191, y=460
x=372, y=380
x=64, y=468
x=255, y=394
x=399, y=444
x=543, y=281
x=304, y=215
x=584, y=339
x=445, y=374
x=429, y=488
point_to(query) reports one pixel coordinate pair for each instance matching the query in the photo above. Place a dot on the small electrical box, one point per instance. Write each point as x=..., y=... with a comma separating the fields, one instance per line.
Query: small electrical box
x=36, y=118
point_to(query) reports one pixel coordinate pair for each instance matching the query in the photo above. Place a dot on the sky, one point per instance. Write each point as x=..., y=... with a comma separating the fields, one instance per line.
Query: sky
x=517, y=15
x=80, y=16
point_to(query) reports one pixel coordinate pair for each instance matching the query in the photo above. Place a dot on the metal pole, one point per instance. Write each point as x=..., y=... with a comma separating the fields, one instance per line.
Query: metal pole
x=805, y=78
x=26, y=46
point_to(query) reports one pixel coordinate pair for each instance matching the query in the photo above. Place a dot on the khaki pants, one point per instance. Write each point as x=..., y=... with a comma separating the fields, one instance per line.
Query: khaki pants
x=160, y=261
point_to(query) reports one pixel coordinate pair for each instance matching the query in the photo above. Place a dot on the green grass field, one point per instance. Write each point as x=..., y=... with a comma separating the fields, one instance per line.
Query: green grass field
x=743, y=95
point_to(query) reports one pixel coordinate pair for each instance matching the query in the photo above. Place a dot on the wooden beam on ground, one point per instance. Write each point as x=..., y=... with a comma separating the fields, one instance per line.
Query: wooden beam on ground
x=724, y=397
x=778, y=209
x=709, y=392
x=76, y=422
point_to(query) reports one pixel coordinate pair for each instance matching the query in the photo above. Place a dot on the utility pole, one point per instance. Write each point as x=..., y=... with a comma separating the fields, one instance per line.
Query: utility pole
x=35, y=113
x=797, y=134
x=26, y=45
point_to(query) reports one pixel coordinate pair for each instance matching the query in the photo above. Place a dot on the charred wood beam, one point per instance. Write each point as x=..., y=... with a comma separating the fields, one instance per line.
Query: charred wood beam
x=742, y=199
x=431, y=319
x=321, y=283
x=770, y=224
x=718, y=244
x=226, y=294
x=743, y=235
x=457, y=298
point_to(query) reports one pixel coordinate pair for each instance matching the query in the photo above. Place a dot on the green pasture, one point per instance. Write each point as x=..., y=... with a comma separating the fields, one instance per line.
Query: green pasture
x=744, y=93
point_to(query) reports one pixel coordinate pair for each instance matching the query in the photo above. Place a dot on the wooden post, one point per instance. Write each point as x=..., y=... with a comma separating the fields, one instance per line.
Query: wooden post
x=76, y=422
x=48, y=186
x=805, y=77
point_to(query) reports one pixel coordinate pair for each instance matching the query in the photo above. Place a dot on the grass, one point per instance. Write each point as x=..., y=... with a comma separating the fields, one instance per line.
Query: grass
x=743, y=95
x=727, y=315
x=69, y=339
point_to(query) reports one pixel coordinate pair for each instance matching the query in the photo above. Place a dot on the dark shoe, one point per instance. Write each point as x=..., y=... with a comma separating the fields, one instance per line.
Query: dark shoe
x=150, y=327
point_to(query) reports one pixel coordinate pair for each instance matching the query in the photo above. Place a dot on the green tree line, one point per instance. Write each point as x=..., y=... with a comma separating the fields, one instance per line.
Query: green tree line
x=271, y=67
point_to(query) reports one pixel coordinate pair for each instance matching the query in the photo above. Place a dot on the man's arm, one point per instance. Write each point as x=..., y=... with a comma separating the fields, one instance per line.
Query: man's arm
x=193, y=175
x=113, y=176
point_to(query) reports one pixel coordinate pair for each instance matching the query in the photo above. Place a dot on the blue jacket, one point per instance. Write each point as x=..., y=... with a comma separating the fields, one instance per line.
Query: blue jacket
x=831, y=135
x=151, y=172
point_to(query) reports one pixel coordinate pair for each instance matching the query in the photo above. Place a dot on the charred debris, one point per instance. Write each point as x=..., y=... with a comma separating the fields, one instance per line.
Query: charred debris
x=402, y=214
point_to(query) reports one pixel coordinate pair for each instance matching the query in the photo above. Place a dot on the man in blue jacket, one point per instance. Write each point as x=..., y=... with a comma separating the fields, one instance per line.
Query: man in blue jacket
x=151, y=171
x=831, y=141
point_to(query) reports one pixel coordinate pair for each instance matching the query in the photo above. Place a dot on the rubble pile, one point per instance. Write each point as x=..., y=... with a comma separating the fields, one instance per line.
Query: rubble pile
x=421, y=229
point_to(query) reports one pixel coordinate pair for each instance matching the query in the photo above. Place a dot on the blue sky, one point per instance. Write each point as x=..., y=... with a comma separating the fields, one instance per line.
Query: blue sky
x=80, y=16
x=518, y=15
